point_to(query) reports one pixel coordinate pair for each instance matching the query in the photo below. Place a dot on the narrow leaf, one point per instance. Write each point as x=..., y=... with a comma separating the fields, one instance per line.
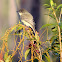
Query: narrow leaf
x=60, y=6
x=52, y=38
x=46, y=5
x=51, y=2
x=48, y=58
x=5, y=55
x=46, y=25
x=60, y=24
x=50, y=9
x=8, y=58
x=26, y=53
x=51, y=16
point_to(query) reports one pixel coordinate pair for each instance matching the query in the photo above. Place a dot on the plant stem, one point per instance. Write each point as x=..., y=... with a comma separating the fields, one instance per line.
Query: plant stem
x=55, y=15
x=60, y=44
x=58, y=21
x=32, y=52
x=40, y=56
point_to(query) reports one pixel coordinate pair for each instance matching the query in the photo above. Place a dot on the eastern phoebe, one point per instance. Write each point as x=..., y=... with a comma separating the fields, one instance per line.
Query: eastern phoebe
x=27, y=18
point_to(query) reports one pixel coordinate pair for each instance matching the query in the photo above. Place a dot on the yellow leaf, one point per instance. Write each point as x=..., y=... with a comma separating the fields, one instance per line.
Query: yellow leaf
x=26, y=53
x=8, y=58
x=36, y=36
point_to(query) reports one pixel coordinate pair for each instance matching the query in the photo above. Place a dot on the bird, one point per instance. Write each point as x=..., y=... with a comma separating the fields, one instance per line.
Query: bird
x=26, y=18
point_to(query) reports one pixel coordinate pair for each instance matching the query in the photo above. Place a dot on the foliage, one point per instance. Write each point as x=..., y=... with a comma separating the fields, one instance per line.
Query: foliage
x=55, y=40
x=35, y=47
x=20, y=31
x=26, y=53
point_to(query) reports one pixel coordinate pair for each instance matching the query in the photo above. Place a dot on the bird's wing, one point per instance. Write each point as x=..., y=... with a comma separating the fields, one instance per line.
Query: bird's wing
x=28, y=20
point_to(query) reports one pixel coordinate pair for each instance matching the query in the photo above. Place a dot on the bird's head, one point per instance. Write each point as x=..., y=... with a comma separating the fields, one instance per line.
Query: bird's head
x=22, y=11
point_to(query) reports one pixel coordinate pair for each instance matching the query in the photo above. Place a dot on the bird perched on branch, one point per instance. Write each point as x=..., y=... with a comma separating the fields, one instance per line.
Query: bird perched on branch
x=27, y=18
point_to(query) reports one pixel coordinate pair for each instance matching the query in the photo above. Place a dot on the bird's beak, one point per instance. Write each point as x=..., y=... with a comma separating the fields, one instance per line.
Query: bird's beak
x=19, y=12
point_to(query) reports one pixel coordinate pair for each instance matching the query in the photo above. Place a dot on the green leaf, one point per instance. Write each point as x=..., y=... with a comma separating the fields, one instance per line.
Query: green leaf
x=13, y=28
x=18, y=30
x=52, y=16
x=26, y=53
x=50, y=9
x=6, y=55
x=55, y=4
x=52, y=38
x=58, y=7
x=51, y=2
x=43, y=61
x=60, y=24
x=19, y=27
x=8, y=58
x=46, y=5
x=46, y=25
x=48, y=58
